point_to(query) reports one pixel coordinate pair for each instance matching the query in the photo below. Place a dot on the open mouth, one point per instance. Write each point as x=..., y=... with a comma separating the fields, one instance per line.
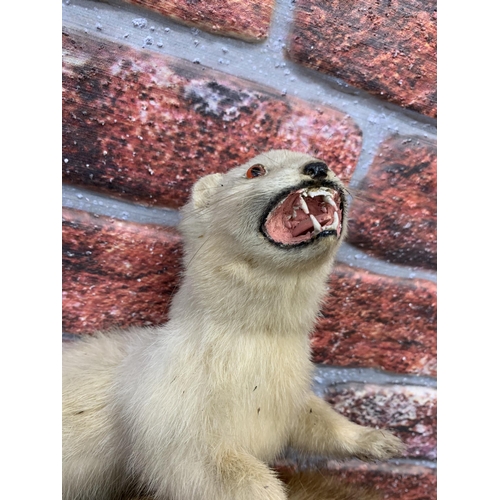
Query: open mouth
x=304, y=215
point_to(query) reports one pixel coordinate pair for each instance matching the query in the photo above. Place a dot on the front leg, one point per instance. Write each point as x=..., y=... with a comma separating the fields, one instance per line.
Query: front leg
x=320, y=430
x=241, y=476
x=224, y=474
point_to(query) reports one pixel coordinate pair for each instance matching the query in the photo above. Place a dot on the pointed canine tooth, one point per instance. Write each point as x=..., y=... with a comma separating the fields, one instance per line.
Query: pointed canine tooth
x=335, y=223
x=316, y=224
x=303, y=205
x=328, y=199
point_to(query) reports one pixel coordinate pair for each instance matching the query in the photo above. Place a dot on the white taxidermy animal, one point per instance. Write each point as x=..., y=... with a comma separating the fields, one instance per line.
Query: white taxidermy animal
x=196, y=409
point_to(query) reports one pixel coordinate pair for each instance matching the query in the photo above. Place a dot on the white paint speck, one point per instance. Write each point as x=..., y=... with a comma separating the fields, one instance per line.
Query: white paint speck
x=140, y=22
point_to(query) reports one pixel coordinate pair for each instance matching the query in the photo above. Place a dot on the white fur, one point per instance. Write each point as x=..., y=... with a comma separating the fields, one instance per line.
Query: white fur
x=197, y=408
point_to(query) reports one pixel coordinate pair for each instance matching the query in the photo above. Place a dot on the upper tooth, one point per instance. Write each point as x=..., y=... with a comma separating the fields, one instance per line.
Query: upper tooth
x=316, y=224
x=318, y=192
x=328, y=199
x=303, y=205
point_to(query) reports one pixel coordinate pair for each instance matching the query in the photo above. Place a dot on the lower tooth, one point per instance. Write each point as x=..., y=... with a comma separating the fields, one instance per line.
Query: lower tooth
x=316, y=224
x=335, y=224
x=335, y=220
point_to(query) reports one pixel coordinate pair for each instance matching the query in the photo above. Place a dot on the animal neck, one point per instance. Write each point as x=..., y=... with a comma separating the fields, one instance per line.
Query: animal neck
x=238, y=294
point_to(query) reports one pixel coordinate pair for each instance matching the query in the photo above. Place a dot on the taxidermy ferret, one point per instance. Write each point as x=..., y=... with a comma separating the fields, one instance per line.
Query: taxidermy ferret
x=198, y=408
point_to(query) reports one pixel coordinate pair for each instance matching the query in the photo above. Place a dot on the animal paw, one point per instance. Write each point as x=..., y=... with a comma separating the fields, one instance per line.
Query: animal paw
x=376, y=444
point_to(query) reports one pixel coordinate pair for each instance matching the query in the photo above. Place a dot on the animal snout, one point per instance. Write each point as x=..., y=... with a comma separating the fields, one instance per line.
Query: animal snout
x=316, y=170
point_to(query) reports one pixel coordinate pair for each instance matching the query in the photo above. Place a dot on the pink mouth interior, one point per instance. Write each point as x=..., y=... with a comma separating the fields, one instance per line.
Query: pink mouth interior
x=289, y=224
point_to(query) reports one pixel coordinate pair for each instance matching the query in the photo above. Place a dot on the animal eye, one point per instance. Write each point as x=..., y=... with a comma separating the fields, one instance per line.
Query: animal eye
x=256, y=171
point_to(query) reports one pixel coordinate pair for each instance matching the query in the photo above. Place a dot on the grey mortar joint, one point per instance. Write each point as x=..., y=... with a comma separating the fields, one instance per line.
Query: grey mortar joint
x=326, y=376
x=99, y=204
x=315, y=462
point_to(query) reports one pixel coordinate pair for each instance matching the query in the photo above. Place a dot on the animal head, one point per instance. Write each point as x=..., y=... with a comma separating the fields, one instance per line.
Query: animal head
x=281, y=208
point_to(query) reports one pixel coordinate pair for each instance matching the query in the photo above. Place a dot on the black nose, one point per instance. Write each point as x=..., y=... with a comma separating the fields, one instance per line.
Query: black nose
x=316, y=170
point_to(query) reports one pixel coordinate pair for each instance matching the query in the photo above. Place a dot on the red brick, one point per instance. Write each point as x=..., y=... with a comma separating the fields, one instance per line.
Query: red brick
x=404, y=482
x=376, y=321
x=116, y=273
x=408, y=411
x=317, y=484
x=145, y=126
x=380, y=481
x=359, y=481
x=245, y=19
x=394, y=212
x=385, y=48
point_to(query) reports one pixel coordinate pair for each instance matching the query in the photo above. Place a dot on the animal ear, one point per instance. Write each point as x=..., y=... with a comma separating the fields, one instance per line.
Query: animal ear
x=204, y=188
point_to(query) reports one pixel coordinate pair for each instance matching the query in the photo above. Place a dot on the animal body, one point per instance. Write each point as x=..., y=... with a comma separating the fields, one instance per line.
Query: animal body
x=196, y=409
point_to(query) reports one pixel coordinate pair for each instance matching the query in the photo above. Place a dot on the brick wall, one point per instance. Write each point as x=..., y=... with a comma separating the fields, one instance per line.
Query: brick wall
x=151, y=88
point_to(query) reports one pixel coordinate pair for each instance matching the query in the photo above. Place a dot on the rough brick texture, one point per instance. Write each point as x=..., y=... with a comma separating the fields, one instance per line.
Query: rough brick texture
x=408, y=411
x=377, y=321
x=393, y=482
x=116, y=273
x=387, y=48
x=394, y=212
x=374, y=481
x=135, y=124
x=245, y=19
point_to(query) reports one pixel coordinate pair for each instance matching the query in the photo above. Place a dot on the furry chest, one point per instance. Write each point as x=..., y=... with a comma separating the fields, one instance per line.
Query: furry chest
x=253, y=394
x=257, y=415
